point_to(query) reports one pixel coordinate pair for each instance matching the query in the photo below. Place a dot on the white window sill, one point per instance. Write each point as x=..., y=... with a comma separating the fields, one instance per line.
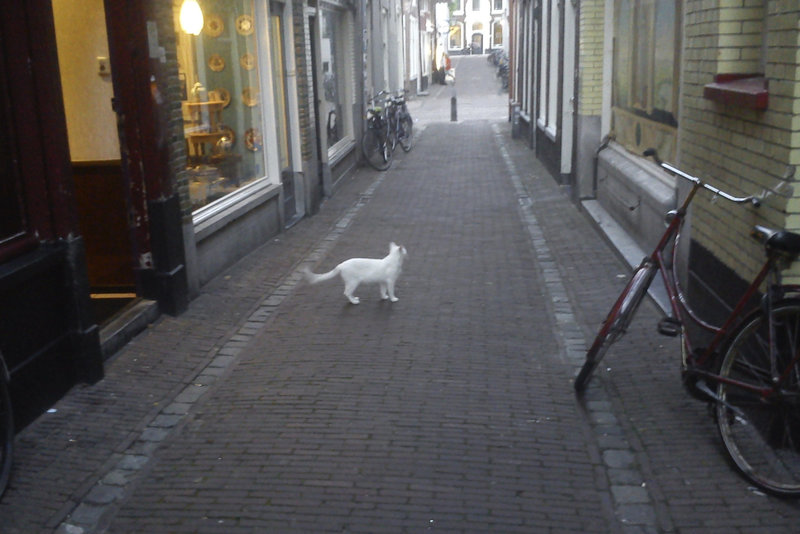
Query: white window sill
x=210, y=219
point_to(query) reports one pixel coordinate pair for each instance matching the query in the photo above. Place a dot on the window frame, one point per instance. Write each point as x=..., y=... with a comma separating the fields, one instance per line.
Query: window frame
x=640, y=59
x=549, y=67
x=460, y=27
x=345, y=57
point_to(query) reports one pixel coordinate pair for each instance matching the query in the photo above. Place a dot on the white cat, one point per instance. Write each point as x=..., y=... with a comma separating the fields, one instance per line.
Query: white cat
x=366, y=270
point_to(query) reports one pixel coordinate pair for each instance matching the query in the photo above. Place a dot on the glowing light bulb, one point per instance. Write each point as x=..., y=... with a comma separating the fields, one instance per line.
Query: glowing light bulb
x=191, y=17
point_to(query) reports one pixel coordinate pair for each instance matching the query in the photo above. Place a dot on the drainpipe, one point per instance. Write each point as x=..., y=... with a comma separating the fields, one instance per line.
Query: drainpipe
x=595, y=160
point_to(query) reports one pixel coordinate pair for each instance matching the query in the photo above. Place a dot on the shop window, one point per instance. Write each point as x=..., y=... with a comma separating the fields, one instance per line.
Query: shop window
x=497, y=34
x=455, y=40
x=645, y=73
x=222, y=107
x=336, y=71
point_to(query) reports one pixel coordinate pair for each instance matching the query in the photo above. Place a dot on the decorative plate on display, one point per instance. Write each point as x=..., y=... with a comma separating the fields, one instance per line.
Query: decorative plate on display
x=253, y=139
x=248, y=61
x=216, y=63
x=228, y=133
x=224, y=95
x=244, y=25
x=214, y=26
x=249, y=97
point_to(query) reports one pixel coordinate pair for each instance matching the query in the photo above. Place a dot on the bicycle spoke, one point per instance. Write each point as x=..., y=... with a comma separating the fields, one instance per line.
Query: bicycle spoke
x=749, y=371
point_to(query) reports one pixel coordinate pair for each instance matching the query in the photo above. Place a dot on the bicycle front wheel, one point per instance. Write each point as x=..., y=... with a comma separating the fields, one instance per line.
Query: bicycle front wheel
x=406, y=133
x=617, y=321
x=6, y=435
x=376, y=149
x=759, y=420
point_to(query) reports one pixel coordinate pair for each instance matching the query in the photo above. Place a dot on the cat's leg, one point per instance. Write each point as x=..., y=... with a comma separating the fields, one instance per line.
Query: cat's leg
x=384, y=294
x=349, y=287
x=390, y=288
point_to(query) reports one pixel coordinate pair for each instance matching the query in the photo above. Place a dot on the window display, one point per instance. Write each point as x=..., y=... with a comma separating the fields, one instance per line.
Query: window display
x=335, y=40
x=223, y=121
x=455, y=37
x=647, y=37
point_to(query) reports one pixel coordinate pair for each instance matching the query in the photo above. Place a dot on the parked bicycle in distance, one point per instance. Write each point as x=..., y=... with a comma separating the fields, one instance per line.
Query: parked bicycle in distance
x=375, y=143
x=401, y=126
x=388, y=123
x=750, y=371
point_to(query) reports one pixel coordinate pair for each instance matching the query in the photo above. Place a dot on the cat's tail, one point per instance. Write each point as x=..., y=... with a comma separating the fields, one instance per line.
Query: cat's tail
x=315, y=278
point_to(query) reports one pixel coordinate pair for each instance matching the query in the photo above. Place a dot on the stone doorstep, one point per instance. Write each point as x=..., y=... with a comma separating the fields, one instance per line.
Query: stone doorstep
x=625, y=247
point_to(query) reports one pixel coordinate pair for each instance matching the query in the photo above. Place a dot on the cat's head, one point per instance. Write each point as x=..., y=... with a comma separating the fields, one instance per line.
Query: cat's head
x=400, y=248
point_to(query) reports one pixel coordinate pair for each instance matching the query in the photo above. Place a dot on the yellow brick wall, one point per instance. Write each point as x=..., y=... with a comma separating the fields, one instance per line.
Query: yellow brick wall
x=590, y=96
x=738, y=149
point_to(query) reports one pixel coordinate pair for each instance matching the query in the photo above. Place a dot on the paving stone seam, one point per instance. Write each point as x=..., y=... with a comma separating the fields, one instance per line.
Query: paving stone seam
x=633, y=503
x=96, y=508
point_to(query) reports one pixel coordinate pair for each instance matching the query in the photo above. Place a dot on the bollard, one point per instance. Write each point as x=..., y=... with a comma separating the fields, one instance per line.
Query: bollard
x=515, y=120
x=453, y=110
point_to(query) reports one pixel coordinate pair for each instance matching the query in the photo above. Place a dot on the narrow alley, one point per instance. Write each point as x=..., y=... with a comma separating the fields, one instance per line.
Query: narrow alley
x=272, y=405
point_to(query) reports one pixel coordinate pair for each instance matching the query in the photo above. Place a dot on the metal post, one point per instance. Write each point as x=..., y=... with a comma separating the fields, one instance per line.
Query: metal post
x=453, y=110
x=515, y=120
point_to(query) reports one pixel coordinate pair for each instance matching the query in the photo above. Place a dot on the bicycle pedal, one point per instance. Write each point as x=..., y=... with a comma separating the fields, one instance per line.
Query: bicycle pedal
x=669, y=326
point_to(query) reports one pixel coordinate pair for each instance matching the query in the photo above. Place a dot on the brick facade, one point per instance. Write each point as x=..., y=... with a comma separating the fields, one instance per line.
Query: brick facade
x=173, y=91
x=743, y=150
x=305, y=90
x=590, y=61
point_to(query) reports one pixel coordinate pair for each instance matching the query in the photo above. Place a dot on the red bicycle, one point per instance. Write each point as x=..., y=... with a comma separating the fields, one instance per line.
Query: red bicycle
x=750, y=371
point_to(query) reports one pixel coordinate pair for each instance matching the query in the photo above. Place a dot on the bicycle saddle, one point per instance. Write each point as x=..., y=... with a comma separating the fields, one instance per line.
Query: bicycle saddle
x=780, y=240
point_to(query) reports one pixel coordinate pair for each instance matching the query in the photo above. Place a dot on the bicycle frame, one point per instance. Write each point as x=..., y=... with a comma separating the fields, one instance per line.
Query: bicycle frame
x=752, y=359
x=681, y=309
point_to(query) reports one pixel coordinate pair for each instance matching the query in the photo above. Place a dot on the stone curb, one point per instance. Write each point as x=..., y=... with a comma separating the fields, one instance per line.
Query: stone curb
x=632, y=502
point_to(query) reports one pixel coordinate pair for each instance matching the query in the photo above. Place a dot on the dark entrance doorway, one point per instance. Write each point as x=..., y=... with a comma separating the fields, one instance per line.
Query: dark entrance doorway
x=477, y=43
x=100, y=189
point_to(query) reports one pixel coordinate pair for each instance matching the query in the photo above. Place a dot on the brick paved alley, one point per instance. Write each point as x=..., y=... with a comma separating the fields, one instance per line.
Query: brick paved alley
x=447, y=409
x=275, y=406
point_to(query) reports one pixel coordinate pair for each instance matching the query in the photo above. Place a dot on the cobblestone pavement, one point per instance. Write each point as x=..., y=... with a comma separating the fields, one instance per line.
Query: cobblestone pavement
x=275, y=406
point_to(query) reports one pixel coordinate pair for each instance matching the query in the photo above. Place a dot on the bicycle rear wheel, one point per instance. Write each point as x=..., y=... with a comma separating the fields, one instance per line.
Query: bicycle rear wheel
x=406, y=133
x=376, y=149
x=617, y=321
x=761, y=432
x=6, y=435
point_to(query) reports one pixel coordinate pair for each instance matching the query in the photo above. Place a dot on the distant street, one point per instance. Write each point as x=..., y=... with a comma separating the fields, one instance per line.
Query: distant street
x=275, y=406
x=478, y=93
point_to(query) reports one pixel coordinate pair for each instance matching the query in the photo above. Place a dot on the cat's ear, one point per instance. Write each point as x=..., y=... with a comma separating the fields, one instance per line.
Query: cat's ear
x=392, y=245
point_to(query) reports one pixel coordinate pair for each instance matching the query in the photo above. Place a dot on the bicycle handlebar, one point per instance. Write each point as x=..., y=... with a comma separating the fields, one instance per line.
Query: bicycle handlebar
x=752, y=199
